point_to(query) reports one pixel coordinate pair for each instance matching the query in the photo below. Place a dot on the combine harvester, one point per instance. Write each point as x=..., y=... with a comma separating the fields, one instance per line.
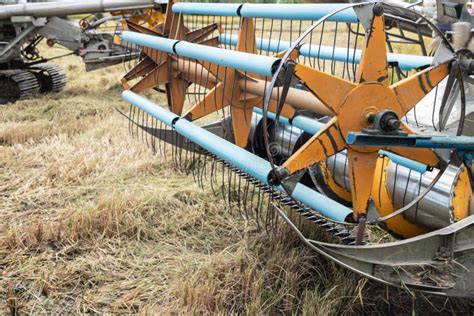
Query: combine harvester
x=321, y=107
x=24, y=72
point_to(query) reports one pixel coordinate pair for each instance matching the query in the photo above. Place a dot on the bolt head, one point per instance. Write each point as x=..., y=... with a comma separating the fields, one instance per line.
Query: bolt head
x=378, y=9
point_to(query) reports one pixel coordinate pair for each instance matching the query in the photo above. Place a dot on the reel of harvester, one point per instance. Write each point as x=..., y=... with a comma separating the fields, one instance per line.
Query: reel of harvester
x=322, y=109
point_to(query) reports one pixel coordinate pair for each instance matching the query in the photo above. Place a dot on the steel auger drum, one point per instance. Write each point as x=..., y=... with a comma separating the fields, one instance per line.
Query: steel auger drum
x=336, y=113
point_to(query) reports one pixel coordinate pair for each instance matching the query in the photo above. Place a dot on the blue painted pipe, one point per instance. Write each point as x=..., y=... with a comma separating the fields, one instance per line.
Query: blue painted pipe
x=216, y=9
x=304, y=123
x=269, y=11
x=307, y=124
x=457, y=142
x=272, y=116
x=405, y=62
x=311, y=12
x=240, y=158
x=153, y=109
x=256, y=64
x=408, y=163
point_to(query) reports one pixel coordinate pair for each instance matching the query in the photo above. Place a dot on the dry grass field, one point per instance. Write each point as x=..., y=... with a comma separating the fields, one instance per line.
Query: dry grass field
x=91, y=221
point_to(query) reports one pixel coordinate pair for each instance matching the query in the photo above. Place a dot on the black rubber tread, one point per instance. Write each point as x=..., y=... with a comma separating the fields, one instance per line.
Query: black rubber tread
x=18, y=85
x=52, y=78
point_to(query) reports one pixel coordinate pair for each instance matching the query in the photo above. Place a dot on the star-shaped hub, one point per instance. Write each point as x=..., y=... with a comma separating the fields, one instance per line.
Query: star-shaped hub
x=231, y=90
x=228, y=86
x=159, y=68
x=356, y=104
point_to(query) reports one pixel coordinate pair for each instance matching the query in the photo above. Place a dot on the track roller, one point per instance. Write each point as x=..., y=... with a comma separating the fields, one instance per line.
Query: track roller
x=17, y=85
x=51, y=78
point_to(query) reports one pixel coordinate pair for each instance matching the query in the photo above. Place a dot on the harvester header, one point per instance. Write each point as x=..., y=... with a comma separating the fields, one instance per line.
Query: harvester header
x=341, y=114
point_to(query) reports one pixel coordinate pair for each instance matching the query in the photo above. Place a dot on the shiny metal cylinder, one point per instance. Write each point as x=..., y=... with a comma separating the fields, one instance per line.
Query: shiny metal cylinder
x=338, y=166
x=435, y=210
x=284, y=138
x=404, y=185
x=49, y=9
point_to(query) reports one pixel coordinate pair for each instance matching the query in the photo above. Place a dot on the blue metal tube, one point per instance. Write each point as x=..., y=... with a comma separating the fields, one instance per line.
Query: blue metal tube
x=216, y=9
x=161, y=43
x=272, y=116
x=408, y=163
x=404, y=61
x=269, y=11
x=304, y=123
x=299, y=11
x=242, y=159
x=256, y=64
x=307, y=124
x=151, y=108
x=457, y=142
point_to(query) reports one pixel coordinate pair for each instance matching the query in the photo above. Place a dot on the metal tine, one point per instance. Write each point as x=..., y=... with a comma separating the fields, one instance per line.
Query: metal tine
x=130, y=117
x=130, y=124
x=138, y=120
x=144, y=127
x=223, y=190
x=154, y=123
x=261, y=205
x=275, y=217
x=193, y=169
x=198, y=169
x=162, y=143
x=228, y=174
x=229, y=186
x=255, y=208
x=182, y=161
x=333, y=63
x=182, y=165
x=193, y=152
x=258, y=206
x=268, y=210
x=245, y=199
x=173, y=152
x=143, y=131
x=341, y=234
x=178, y=156
x=272, y=213
x=269, y=225
x=205, y=169
x=135, y=122
x=202, y=168
x=327, y=225
x=213, y=176
x=239, y=188
x=354, y=65
x=187, y=165
x=136, y=115
x=299, y=210
x=148, y=136
x=173, y=140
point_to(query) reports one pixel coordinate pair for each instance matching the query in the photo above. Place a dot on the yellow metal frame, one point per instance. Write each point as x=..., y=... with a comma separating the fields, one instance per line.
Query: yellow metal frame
x=354, y=103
